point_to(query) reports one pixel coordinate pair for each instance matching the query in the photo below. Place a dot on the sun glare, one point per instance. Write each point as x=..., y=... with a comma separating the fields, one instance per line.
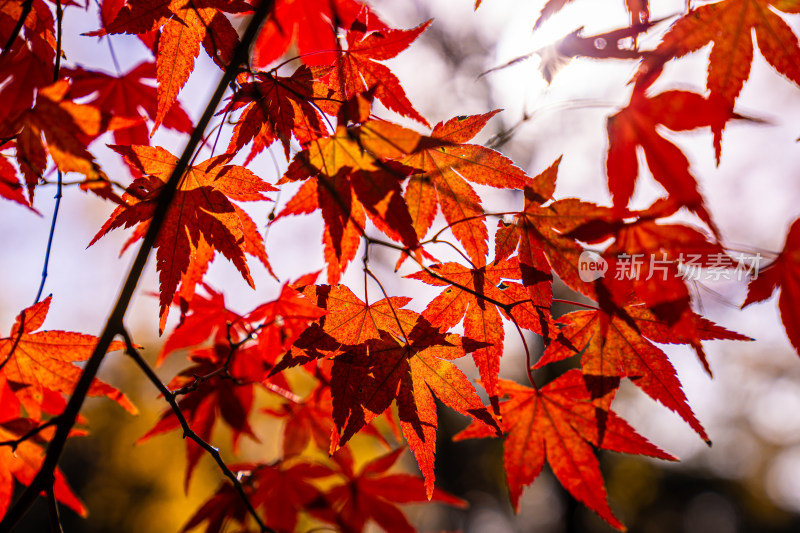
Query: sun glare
x=522, y=54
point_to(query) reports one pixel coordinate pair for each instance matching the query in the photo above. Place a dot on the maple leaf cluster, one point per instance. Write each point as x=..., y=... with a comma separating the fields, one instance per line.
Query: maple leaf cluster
x=335, y=364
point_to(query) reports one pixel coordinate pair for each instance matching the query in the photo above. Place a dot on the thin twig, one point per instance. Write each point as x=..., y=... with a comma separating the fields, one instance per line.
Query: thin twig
x=50, y=238
x=59, y=21
x=26, y=10
x=30, y=434
x=56, y=70
x=188, y=432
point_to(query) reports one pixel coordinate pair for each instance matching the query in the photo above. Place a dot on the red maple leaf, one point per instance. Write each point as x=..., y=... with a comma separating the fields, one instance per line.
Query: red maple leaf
x=61, y=128
x=373, y=494
x=559, y=423
x=347, y=177
x=28, y=62
x=10, y=187
x=349, y=321
x=444, y=166
x=636, y=126
x=357, y=69
x=202, y=211
x=126, y=96
x=36, y=364
x=184, y=24
x=282, y=321
x=227, y=396
x=541, y=234
x=473, y=295
x=783, y=273
x=281, y=491
x=275, y=108
x=205, y=317
x=615, y=346
x=22, y=463
x=312, y=24
x=729, y=27
x=367, y=378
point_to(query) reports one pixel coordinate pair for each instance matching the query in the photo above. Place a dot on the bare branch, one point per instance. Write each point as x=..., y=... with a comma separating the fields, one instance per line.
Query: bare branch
x=188, y=432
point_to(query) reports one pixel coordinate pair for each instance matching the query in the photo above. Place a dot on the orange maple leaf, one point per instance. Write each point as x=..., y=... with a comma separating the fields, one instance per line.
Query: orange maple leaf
x=201, y=211
x=473, y=294
x=615, y=346
x=37, y=364
x=184, y=24
x=367, y=378
x=729, y=27
x=445, y=165
x=275, y=108
x=22, y=464
x=559, y=423
x=357, y=69
x=347, y=177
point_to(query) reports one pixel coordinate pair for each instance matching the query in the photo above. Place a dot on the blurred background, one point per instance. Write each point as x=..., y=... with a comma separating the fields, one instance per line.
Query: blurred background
x=748, y=481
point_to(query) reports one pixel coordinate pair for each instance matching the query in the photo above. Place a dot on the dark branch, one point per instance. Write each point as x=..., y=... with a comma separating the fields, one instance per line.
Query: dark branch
x=189, y=433
x=114, y=326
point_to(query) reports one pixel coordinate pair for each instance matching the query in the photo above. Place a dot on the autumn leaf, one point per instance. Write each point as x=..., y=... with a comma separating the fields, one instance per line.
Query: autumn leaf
x=728, y=26
x=367, y=378
x=202, y=208
x=27, y=65
x=559, y=423
x=445, y=165
x=481, y=297
x=36, y=364
x=347, y=177
x=349, y=322
x=373, y=494
x=636, y=126
x=312, y=25
x=541, y=234
x=206, y=317
x=184, y=24
x=225, y=396
x=22, y=463
x=310, y=419
x=783, y=273
x=10, y=187
x=357, y=69
x=59, y=127
x=281, y=491
x=282, y=321
x=277, y=108
x=127, y=96
x=649, y=258
x=307, y=420
x=615, y=346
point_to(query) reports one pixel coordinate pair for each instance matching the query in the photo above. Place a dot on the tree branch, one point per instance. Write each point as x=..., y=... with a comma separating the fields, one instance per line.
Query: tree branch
x=114, y=324
x=189, y=432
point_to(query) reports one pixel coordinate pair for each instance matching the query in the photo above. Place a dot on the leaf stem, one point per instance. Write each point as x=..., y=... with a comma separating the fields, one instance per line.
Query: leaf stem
x=59, y=190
